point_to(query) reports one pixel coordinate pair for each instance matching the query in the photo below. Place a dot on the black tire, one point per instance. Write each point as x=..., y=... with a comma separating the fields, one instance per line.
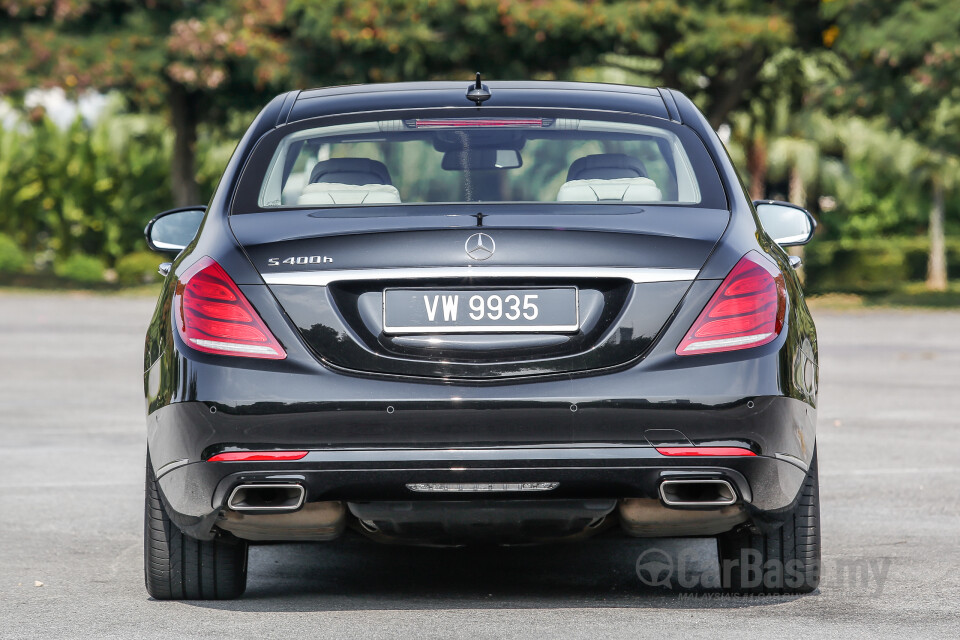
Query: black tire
x=178, y=567
x=788, y=558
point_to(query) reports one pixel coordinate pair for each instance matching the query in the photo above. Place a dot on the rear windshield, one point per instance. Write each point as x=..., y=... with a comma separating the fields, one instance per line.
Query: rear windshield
x=483, y=160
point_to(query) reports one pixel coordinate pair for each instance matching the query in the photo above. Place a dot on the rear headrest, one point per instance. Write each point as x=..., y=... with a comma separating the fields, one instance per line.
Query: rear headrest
x=338, y=193
x=606, y=166
x=350, y=171
x=615, y=190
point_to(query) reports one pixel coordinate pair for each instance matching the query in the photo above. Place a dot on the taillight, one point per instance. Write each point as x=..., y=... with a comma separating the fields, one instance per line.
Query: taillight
x=213, y=316
x=746, y=311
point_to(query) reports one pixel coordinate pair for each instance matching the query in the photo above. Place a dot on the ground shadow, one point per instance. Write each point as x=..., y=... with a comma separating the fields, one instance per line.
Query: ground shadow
x=353, y=573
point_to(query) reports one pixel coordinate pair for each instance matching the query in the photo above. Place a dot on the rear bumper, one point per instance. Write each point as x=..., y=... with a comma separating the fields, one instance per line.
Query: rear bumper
x=195, y=492
x=369, y=437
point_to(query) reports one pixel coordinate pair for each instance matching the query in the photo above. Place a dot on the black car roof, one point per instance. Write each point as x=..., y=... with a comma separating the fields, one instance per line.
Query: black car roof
x=314, y=103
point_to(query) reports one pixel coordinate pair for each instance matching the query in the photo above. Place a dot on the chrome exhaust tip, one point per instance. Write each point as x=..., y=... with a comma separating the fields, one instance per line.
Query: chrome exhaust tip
x=697, y=493
x=266, y=497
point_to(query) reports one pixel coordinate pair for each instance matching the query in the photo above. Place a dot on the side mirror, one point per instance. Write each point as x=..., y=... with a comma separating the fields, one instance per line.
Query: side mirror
x=788, y=224
x=171, y=231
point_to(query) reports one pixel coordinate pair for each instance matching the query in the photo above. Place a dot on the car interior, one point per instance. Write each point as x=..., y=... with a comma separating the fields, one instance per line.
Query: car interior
x=601, y=177
x=395, y=162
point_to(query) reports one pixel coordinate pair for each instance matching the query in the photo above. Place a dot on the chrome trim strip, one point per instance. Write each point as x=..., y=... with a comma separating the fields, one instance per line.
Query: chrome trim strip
x=795, y=461
x=443, y=459
x=459, y=329
x=170, y=466
x=323, y=278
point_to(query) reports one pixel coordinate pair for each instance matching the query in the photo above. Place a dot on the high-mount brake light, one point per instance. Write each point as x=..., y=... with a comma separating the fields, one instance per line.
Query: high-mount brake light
x=213, y=316
x=746, y=311
x=469, y=123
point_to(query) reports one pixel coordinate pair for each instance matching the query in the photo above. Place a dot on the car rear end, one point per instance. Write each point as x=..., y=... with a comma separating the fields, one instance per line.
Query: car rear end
x=389, y=324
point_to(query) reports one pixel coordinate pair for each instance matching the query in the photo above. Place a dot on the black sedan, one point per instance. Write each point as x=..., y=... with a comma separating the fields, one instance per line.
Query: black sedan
x=455, y=313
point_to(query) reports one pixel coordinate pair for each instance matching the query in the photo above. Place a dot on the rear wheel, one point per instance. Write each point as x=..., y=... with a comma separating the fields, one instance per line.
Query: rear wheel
x=178, y=567
x=786, y=560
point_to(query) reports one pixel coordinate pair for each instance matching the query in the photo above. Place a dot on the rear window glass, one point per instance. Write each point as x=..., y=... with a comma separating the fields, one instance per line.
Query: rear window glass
x=482, y=160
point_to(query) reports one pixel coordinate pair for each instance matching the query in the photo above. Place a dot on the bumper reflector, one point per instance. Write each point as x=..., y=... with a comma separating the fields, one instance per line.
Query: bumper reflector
x=257, y=456
x=704, y=451
x=457, y=487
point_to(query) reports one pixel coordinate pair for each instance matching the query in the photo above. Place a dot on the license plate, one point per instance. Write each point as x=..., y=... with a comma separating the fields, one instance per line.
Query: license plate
x=480, y=310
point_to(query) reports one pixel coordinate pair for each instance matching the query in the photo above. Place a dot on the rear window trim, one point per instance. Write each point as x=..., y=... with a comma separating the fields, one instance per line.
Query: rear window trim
x=256, y=165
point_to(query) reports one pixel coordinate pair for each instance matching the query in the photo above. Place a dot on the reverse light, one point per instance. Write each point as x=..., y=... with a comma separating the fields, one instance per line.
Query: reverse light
x=257, y=456
x=213, y=316
x=704, y=451
x=746, y=311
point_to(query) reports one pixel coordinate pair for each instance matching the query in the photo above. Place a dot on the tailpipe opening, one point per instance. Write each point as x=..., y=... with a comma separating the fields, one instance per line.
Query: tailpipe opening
x=697, y=493
x=266, y=497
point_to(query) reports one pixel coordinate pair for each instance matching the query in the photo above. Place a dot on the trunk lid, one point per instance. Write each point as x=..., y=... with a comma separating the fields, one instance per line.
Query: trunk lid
x=329, y=269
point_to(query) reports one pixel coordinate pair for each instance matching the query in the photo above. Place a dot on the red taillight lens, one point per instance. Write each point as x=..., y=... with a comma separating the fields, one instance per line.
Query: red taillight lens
x=213, y=316
x=257, y=456
x=746, y=311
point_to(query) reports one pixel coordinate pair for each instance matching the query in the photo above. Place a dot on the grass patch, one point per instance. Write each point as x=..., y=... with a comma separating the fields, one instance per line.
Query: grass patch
x=911, y=295
x=47, y=282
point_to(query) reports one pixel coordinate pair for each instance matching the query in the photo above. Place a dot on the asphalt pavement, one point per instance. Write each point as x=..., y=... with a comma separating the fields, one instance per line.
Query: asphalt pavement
x=71, y=496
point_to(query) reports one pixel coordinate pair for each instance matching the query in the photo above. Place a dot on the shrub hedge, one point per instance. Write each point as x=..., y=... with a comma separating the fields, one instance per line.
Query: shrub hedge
x=12, y=259
x=80, y=268
x=871, y=266
x=139, y=267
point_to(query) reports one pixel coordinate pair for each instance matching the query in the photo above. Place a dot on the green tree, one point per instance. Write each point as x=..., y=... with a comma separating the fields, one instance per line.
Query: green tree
x=905, y=61
x=713, y=51
x=192, y=61
x=196, y=61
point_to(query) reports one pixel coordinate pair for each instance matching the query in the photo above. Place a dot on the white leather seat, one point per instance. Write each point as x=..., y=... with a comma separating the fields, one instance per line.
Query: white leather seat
x=612, y=190
x=349, y=181
x=608, y=177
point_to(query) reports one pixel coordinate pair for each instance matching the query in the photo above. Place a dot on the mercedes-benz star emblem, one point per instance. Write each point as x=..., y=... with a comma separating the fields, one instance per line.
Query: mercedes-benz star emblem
x=480, y=246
